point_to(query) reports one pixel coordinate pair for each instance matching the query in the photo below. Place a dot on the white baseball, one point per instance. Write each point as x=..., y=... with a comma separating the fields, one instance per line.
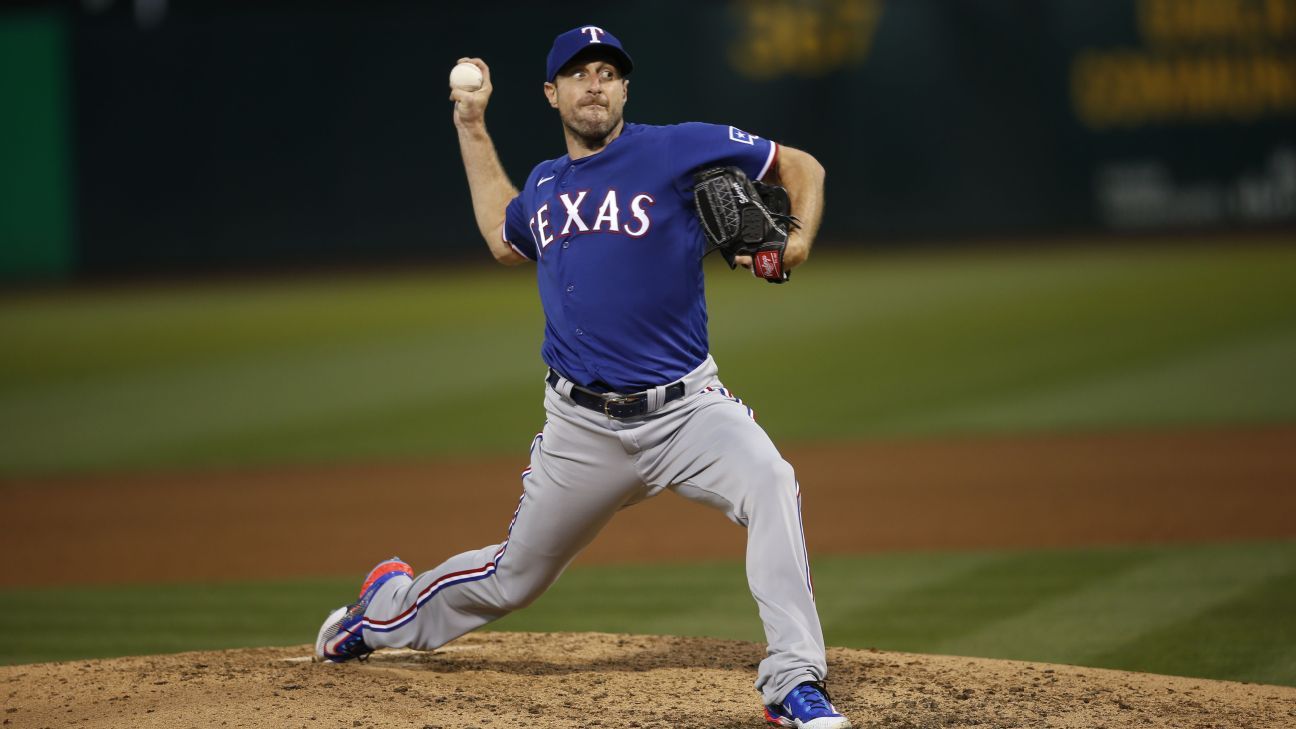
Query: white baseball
x=466, y=77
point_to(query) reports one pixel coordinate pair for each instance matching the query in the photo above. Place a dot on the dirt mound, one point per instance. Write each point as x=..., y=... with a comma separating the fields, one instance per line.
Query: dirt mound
x=540, y=681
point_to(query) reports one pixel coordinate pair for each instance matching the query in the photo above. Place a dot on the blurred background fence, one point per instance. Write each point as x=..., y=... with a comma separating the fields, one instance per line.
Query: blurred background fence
x=155, y=136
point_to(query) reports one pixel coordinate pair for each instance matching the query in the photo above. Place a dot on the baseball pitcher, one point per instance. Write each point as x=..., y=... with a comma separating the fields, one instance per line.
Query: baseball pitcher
x=617, y=229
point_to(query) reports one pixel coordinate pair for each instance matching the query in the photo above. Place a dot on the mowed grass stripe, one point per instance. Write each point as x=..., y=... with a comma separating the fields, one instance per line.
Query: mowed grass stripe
x=85, y=334
x=879, y=344
x=1083, y=624
x=1231, y=381
x=933, y=343
x=151, y=417
x=484, y=420
x=171, y=362
x=1046, y=606
x=650, y=598
x=934, y=617
x=68, y=623
x=1236, y=637
x=864, y=583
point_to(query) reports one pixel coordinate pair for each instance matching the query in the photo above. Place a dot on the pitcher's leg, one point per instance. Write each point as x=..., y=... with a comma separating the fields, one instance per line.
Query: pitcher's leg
x=400, y=614
x=722, y=458
x=577, y=480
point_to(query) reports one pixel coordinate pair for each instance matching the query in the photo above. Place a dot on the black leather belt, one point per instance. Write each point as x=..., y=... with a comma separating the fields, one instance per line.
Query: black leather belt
x=615, y=406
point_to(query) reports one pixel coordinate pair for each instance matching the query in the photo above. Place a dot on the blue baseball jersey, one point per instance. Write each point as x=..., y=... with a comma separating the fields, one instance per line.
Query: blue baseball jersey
x=618, y=249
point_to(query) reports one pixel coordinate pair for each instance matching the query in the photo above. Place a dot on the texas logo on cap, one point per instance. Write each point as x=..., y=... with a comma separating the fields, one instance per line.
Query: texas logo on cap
x=577, y=40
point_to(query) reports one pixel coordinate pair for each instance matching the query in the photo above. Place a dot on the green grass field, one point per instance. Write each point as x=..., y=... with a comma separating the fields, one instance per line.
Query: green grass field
x=421, y=365
x=425, y=364
x=1212, y=611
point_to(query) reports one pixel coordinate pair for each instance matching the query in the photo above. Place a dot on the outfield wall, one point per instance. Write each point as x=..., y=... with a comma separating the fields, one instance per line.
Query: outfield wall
x=208, y=135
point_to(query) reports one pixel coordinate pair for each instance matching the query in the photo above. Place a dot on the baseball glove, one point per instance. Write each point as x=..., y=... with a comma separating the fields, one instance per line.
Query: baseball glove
x=742, y=217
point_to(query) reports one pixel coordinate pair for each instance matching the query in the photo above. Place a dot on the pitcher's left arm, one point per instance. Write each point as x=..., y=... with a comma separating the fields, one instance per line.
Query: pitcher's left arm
x=803, y=177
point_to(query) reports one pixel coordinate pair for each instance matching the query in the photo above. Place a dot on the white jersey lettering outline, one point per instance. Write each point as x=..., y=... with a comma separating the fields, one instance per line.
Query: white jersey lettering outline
x=542, y=222
x=640, y=214
x=573, y=212
x=610, y=212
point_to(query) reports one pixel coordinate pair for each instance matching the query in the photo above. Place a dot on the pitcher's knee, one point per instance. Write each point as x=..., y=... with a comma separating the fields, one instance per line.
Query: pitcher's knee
x=512, y=602
x=770, y=477
x=519, y=591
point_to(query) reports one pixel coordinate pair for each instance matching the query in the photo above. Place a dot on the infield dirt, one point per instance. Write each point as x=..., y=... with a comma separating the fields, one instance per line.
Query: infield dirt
x=547, y=681
x=1043, y=491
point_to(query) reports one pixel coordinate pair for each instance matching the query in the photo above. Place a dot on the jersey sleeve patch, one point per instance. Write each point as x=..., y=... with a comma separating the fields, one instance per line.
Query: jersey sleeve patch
x=697, y=146
x=738, y=135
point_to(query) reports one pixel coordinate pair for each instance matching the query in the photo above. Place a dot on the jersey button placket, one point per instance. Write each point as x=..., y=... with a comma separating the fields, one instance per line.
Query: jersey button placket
x=562, y=184
x=571, y=288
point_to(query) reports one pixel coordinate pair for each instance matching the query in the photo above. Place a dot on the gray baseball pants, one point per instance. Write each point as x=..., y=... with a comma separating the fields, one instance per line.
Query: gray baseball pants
x=585, y=466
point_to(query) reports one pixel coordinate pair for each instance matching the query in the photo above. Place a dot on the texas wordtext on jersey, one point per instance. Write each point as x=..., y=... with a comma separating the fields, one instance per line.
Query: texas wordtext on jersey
x=607, y=217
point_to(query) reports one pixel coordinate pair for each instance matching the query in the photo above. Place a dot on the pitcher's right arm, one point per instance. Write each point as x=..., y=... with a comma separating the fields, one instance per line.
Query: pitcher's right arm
x=489, y=184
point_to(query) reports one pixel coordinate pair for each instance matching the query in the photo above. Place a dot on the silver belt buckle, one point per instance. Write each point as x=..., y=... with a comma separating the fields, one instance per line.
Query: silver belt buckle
x=608, y=402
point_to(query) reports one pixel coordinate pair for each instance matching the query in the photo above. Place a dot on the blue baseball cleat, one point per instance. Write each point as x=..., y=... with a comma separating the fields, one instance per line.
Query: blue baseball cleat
x=341, y=637
x=807, y=707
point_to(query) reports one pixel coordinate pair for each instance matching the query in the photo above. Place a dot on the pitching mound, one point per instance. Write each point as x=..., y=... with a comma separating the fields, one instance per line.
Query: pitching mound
x=599, y=680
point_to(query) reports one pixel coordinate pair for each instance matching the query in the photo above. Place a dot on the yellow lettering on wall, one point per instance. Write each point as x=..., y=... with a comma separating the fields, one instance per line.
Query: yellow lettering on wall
x=1132, y=88
x=782, y=37
x=1167, y=22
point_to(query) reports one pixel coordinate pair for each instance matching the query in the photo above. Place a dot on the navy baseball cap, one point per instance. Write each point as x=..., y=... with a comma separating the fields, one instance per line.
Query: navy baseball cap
x=567, y=45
